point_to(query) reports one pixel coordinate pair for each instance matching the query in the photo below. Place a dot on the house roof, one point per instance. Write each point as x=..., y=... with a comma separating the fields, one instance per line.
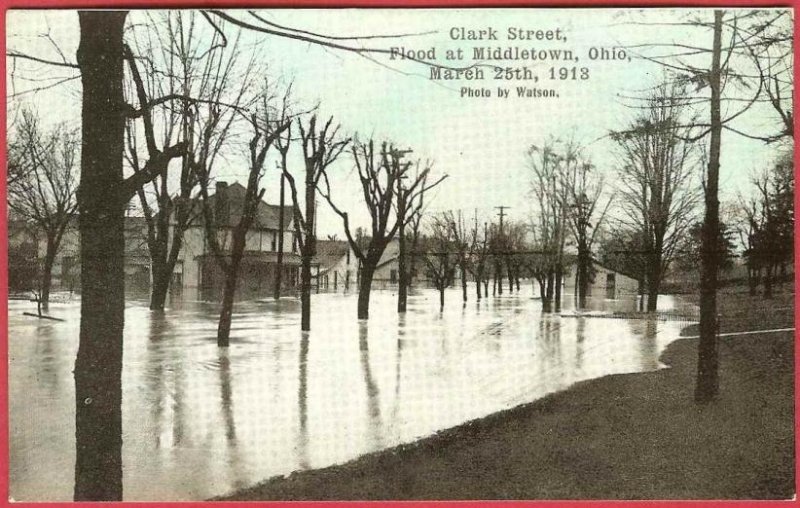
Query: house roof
x=616, y=270
x=267, y=216
x=391, y=253
x=330, y=252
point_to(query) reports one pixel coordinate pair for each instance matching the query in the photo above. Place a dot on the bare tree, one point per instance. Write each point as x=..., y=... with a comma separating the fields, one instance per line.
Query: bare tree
x=440, y=260
x=515, y=242
x=547, y=165
x=379, y=174
x=478, y=266
x=44, y=193
x=767, y=227
x=728, y=73
x=410, y=210
x=321, y=147
x=98, y=468
x=584, y=190
x=415, y=223
x=268, y=122
x=205, y=100
x=656, y=181
x=462, y=241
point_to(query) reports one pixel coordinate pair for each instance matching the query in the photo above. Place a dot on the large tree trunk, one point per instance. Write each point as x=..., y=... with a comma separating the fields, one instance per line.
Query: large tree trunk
x=98, y=366
x=768, y=271
x=582, y=276
x=559, y=276
x=305, y=293
x=547, y=302
x=707, y=386
x=226, y=313
x=640, y=291
x=364, y=288
x=402, y=289
x=464, y=283
x=47, y=273
x=162, y=271
x=229, y=290
x=161, y=280
x=654, y=274
x=309, y=250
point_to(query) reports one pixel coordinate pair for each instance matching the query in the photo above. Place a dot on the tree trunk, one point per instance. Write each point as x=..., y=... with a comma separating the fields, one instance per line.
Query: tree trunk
x=707, y=386
x=161, y=280
x=486, y=287
x=364, y=288
x=557, y=293
x=582, y=276
x=498, y=278
x=464, y=282
x=229, y=290
x=402, y=289
x=47, y=273
x=654, y=275
x=279, y=261
x=510, y=274
x=305, y=293
x=226, y=313
x=478, y=287
x=98, y=366
x=653, y=287
x=768, y=271
x=547, y=302
x=751, y=281
x=441, y=299
x=640, y=291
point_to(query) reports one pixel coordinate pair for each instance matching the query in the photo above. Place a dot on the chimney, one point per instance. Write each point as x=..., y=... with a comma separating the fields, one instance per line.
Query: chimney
x=222, y=208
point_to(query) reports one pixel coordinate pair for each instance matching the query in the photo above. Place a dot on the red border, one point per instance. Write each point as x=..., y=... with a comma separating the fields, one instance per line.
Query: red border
x=11, y=4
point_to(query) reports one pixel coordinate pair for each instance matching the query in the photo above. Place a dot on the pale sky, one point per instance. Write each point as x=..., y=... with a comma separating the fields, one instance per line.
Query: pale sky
x=479, y=142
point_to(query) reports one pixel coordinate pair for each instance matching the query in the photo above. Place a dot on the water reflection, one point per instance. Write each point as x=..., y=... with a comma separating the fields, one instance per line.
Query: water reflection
x=302, y=402
x=226, y=401
x=373, y=394
x=199, y=421
x=580, y=336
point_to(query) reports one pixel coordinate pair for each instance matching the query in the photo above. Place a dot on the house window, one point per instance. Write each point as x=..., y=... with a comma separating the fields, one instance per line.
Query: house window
x=393, y=276
x=272, y=244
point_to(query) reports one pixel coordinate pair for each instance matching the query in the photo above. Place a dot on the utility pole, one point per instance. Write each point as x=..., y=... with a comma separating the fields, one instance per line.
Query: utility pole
x=502, y=213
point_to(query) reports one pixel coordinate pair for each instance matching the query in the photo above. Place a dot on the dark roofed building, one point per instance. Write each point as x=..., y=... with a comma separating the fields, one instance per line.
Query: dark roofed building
x=198, y=269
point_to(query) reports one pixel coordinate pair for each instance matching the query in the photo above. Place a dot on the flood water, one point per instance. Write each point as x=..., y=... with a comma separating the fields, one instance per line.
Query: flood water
x=199, y=421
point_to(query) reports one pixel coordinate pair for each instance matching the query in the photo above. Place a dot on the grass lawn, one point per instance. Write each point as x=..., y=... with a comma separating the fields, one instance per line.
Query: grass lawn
x=632, y=436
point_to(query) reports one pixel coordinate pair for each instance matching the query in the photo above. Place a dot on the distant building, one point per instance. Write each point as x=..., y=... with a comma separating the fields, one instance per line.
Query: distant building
x=608, y=283
x=337, y=266
x=197, y=272
x=198, y=269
